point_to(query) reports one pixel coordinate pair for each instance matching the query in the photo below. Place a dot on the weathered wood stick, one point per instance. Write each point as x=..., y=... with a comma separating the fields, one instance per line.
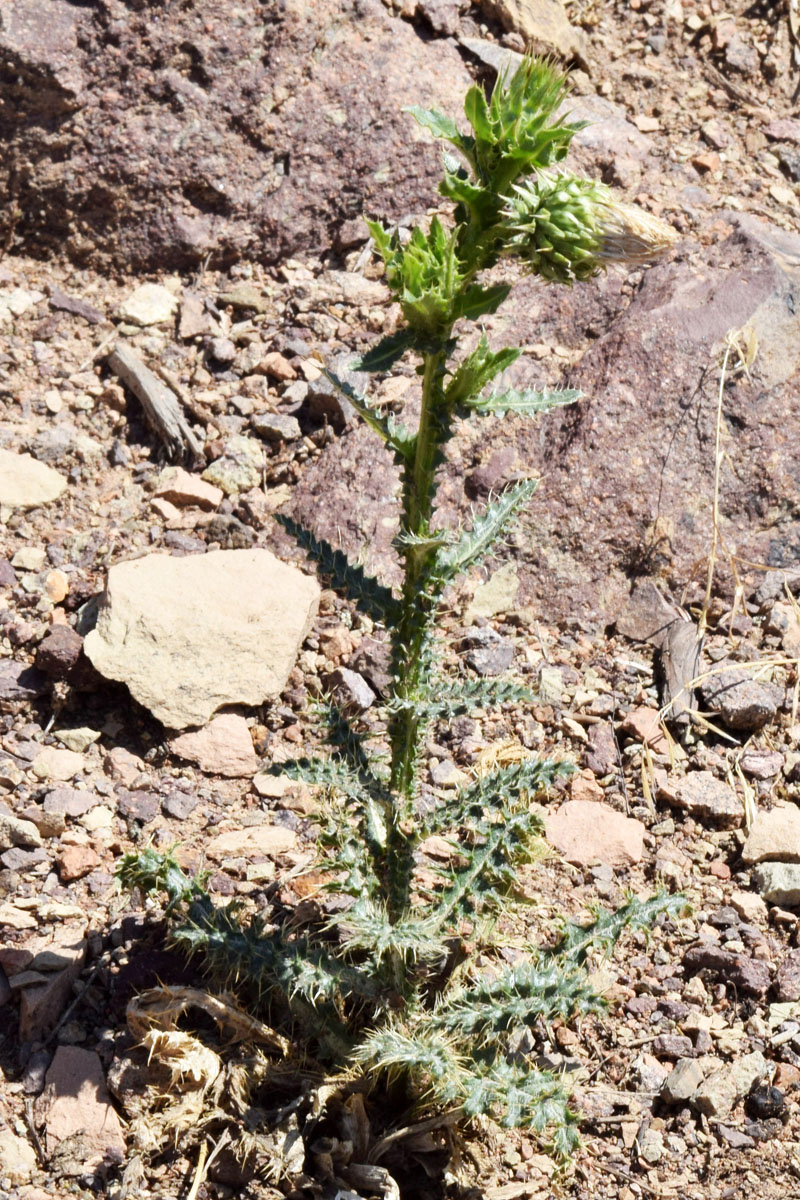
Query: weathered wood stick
x=160, y=404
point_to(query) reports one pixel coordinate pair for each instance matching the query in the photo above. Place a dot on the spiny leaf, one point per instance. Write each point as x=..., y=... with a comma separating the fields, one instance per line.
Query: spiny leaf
x=478, y=369
x=369, y=927
x=527, y=403
x=365, y=591
x=496, y=792
x=427, y=1055
x=385, y=353
x=519, y=995
x=485, y=532
x=396, y=436
x=476, y=301
x=606, y=927
x=440, y=125
x=450, y=698
x=518, y=1096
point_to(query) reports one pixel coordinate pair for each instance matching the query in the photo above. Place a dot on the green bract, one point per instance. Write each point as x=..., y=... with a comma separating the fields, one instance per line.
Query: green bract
x=390, y=982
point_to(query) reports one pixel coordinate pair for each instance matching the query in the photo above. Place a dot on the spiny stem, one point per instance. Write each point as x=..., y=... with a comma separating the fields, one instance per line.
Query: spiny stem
x=418, y=608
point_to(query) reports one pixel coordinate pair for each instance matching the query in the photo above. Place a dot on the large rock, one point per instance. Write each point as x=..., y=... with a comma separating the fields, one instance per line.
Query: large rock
x=26, y=483
x=188, y=635
x=774, y=835
x=587, y=832
x=80, y=1108
x=214, y=129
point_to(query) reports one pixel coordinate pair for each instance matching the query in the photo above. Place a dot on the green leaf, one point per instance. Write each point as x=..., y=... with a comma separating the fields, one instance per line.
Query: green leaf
x=365, y=591
x=385, y=353
x=478, y=369
x=486, y=530
x=603, y=932
x=384, y=239
x=435, y=122
x=519, y=995
x=456, y=186
x=527, y=403
x=396, y=435
x=477, y=113
x=448, y=698
x=518, y=1095
x=502, y=790
x=476, y=301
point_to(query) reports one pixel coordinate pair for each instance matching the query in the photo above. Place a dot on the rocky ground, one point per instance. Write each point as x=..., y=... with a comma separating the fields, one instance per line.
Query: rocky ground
x=690, y=1081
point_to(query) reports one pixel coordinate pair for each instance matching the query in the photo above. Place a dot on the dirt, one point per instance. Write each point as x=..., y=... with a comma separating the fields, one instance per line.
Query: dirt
x=711, y=100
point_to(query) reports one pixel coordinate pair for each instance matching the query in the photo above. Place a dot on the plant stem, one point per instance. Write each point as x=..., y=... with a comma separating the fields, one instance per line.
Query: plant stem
x=411, y=637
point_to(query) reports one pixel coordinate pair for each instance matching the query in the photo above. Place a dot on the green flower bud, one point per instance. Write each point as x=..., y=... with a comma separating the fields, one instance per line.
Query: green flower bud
x=566, y=228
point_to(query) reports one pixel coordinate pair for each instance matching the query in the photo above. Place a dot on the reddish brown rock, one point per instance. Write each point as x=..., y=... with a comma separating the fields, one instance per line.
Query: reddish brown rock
x=79, y=1107
x=787, y=982
x=223, y=747
x=276, y=167
x=76, y=861
x=587, y=832
x=584, y=786
x=58, y=653
x=41, y=1005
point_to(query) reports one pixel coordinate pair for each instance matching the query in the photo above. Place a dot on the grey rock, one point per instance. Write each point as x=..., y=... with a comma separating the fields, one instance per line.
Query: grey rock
x=222, y=350
x=324, y=403
x=15, y=832
x=488, y=653
x=672, y=1045
x=138, y=806
x=179, y=805
x=351, y=690
x=239, y=468
x=741, y=701
x=750, y=975
x=706, y=797
x=778, y=882
x=683, y=1080
x=773, y=587
x=229, y=531
x=719, y=1091
x=70, y=802
x=761, y=764
x=276, y=427
x=787, y=982
x=735, y=1138
x=22, y=860
x=8, y=576
x=372, y=660
x=601, y=757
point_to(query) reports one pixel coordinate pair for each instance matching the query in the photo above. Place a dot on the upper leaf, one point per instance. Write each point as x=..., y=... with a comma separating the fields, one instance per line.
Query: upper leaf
x=486, y=530
x=527, y=403
x=397, y=436
x=385, y=353
x=478, y=369
x=476, y=301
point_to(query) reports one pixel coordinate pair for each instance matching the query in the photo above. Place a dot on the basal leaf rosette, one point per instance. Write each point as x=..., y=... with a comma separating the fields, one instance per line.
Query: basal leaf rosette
x=566, y=228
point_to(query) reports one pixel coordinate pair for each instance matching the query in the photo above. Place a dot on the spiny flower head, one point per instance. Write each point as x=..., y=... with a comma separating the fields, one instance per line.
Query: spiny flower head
x=567, y=228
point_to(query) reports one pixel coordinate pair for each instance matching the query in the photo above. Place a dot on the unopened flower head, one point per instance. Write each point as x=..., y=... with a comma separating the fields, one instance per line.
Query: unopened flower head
x=569, y=228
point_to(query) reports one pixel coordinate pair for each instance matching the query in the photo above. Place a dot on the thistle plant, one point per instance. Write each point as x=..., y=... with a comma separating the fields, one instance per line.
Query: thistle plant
x=391, y=982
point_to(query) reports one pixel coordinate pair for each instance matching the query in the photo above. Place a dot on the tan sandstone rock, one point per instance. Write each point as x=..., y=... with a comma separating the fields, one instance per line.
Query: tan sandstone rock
x=188, y=635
